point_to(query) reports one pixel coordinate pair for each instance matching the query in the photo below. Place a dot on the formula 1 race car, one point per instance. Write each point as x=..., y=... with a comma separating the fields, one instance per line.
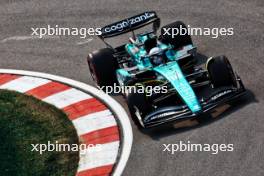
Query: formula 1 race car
x=148, y=60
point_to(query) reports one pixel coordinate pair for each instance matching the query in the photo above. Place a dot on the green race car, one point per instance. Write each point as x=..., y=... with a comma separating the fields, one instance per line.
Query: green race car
x=165, y=67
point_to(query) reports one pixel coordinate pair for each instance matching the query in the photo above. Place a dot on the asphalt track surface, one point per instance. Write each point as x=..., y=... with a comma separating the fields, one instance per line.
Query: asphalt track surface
x=242, y=125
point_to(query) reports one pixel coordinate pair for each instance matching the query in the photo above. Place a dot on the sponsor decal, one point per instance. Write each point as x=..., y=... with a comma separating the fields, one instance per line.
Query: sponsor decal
x=130, y=22
x=221, y=94
x=161, y=115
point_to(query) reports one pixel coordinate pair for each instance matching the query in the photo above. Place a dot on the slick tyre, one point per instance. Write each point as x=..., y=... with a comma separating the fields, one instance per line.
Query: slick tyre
x=174, y=37
x=102, y=65
x=138, y=107
x=220, y=72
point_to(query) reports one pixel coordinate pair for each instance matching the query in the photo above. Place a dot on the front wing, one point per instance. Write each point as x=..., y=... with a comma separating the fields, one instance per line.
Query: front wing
x=179, y=113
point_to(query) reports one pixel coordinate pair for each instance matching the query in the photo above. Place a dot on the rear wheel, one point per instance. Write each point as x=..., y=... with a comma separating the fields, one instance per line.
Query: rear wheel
x=179, y=40
x=221, y=72
x=102, y=65
x=176, y=40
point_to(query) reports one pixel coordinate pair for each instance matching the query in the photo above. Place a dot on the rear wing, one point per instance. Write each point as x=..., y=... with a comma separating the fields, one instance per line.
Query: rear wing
x=130, y=24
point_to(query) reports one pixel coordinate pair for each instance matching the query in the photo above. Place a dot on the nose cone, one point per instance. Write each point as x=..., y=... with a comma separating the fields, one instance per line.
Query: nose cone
x=172, y=72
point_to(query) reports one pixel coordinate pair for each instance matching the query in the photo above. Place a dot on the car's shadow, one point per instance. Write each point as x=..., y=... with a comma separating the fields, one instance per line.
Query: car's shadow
x=170, y=129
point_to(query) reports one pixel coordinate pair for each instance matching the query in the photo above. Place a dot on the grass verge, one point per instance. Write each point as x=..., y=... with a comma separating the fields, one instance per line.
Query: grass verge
x=24, y=120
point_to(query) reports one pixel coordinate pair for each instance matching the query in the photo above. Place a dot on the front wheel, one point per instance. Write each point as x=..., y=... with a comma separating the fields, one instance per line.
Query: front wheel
x=221, y=72
x=138, y=107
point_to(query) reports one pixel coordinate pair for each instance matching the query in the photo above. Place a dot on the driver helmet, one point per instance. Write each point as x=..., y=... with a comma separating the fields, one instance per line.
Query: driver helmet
x=157, y=55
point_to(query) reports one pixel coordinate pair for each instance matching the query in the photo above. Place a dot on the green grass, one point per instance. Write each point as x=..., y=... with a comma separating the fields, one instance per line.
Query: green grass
x=25, y=120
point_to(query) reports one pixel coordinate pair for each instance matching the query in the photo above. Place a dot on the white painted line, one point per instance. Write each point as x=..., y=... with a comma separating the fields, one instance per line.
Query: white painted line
x=24, y=84
x=66, y=98
x=94, y=121
x=96, y=158
x=120, y=113
x=31, y=37
x=84, y=41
